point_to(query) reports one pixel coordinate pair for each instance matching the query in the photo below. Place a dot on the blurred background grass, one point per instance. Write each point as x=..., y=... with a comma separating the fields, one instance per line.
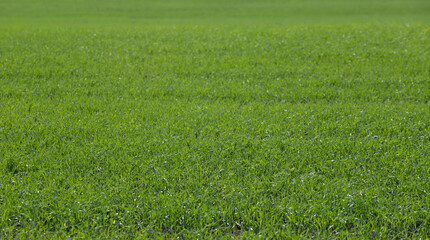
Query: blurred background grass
x=186, y=12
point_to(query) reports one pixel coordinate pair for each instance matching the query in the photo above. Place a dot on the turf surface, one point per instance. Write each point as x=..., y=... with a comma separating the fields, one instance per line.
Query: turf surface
x=121, y=124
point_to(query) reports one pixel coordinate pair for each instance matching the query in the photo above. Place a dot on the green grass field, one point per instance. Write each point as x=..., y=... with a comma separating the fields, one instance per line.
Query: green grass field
x=191, y=12
x=214, y=119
